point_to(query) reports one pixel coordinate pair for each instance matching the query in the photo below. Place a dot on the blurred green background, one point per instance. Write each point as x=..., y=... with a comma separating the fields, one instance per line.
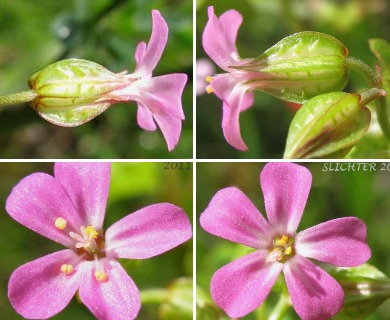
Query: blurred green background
x=264, y=127
x=333, y=194
x=133, y=186
x=34, y=34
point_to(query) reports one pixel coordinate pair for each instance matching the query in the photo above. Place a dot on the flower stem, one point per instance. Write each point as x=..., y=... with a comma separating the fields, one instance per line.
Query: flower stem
x=20, y=97
x=153, y=295
x=364, y=70
x=375, y=81
x=284, y=303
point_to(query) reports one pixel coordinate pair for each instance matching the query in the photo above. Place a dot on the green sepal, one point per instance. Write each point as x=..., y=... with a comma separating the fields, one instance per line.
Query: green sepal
x=300, y=67
x=327, y=126
x=72, y=92
x=365, y=288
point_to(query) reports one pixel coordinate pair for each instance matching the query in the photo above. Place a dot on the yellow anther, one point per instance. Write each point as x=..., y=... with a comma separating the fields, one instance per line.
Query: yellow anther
x=288, y=250
x=67, y=269
x=208, y=79
x=60, y=223
x=283, y=241
x=101, y=276
x=91, y=232
x=209, y=89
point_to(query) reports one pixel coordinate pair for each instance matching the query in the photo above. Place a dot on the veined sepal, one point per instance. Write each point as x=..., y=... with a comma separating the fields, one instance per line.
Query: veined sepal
x=329, y=125
x=300, y=67
x=72, y=92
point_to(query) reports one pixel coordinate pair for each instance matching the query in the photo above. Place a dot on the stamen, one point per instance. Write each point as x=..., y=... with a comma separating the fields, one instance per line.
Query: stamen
x=60, y=223
x=209, y=89
x=282, y=241
x=91, y=232
x=208, y=79
x=86, y=240
x=67, y=269
x=101, y=276
x=281, y=249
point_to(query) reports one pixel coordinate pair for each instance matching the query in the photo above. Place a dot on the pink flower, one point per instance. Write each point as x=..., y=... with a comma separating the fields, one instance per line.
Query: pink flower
x=69, y=208
x=242, y=286
x=232, y=88
x=158, y=98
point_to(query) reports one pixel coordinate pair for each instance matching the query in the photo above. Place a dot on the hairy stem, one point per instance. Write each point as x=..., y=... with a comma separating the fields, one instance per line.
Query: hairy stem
x=375, y=81
x=20, y=97
x=364, y=70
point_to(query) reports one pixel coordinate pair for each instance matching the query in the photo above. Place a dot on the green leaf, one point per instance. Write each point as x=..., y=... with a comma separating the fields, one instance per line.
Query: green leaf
x=327, y=125
x=381, y=49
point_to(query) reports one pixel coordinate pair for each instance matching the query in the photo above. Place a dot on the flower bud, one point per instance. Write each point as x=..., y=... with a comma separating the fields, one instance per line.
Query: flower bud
x=300, y=67
x=327, y=126
x=178, y=304
x=365, y=288
x=74, y=91
x=205, y=307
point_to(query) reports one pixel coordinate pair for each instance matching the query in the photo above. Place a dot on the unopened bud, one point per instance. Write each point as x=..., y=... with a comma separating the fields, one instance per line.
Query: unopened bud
x=178, y=303
x=365, y=288
x=327, y=126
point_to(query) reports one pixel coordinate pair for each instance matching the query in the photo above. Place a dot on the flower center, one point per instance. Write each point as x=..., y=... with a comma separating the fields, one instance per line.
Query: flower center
x=90, y=246
x=282, y=249
x=88, y=242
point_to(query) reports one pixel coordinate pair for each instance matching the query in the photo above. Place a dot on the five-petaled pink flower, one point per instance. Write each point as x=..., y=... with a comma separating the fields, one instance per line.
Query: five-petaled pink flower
x=158, y=98
x=69, y=208
x=233, y=87
x=242, y=285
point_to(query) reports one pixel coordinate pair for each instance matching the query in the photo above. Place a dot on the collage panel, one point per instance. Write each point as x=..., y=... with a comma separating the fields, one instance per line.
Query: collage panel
x=96, y=241
x=290, y=241
x=107, y=79
x=292, y=79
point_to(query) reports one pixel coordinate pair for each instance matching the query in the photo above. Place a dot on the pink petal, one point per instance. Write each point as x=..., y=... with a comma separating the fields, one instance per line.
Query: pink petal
x=145, y=118
x=162, y=96
x=38, y=289
x=37, y=201
x=315, y=295
x=341, y=242
x=219, y=37
x=247, y=101
x=148, y=232
x=242, y=285
x=285, y=187
x=140, y=52
x=232, y=216
x=87, y=185
x=231, y=21
x=156, y=44
x=115, y=299
x=167, y=91
x=229, y=89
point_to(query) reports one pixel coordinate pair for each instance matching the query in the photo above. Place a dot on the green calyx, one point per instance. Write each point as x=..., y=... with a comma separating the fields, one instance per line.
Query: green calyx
x=72, y=92
x=300, y=67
